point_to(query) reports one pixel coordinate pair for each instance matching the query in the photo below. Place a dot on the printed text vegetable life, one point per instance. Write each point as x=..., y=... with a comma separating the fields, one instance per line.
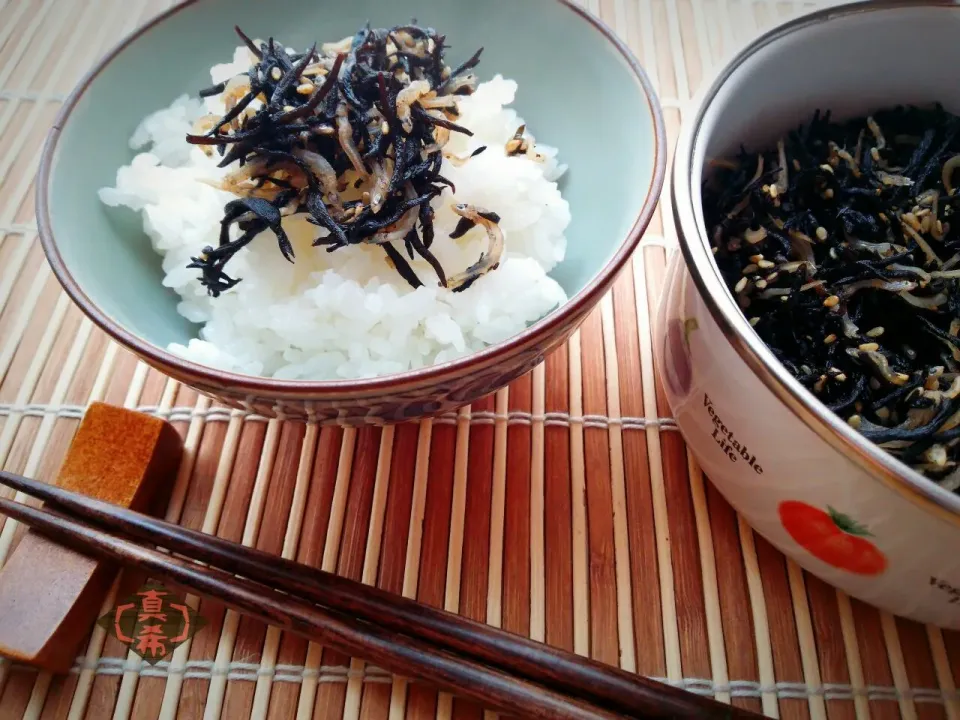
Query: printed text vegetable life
x=725, y=439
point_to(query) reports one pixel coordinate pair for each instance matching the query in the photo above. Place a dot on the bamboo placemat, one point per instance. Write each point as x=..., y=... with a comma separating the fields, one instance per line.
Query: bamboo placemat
x=566, y=507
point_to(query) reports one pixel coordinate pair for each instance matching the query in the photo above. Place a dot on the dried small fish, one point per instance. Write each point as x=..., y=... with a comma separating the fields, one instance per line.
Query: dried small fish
x=490, y=260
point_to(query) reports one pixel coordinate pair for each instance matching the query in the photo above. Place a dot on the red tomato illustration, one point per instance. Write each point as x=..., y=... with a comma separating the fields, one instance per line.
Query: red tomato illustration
x=832, y=537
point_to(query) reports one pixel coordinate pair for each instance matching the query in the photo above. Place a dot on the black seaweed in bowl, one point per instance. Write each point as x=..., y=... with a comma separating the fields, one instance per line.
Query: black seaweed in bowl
x=842, y=247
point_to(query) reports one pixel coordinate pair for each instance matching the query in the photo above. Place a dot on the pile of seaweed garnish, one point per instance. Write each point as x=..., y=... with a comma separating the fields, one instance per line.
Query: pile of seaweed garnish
x=350, y=134
x=842, y=247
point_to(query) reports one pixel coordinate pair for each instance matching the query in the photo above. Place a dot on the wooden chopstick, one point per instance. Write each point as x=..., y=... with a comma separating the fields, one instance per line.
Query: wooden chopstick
x=606, y=687
x=395, y=653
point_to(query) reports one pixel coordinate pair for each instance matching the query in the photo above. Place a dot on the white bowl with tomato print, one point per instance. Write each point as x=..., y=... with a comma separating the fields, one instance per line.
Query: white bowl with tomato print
x=834, y=502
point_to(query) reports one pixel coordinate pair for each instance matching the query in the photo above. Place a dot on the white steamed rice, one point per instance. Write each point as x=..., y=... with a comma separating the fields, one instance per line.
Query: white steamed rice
x=347, y=314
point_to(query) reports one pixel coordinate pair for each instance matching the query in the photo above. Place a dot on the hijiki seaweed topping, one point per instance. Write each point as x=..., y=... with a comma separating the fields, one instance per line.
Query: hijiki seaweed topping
x=351, y=134
x=842, y=247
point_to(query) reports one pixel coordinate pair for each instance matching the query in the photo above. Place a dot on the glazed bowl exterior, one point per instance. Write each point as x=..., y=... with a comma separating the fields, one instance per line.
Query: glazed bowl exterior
x=835, y=503
x=564, y=61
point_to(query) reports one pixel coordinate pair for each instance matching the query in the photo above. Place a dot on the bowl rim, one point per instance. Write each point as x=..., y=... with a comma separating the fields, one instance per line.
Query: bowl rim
x=585, y=298
x=695, y=246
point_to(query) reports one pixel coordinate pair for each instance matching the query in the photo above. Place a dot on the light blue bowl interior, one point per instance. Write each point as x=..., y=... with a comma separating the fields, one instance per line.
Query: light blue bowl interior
x=576, y=91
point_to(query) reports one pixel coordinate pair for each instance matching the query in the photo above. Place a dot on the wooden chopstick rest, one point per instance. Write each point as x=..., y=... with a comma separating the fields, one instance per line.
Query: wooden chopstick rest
x=50, y=595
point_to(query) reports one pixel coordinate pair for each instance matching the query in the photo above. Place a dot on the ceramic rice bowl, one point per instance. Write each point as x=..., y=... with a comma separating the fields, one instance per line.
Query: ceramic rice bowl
x=567, y=65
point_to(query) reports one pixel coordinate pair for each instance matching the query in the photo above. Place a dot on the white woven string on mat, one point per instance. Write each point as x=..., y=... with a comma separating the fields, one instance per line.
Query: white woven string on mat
x=486, y=417
x=295, y=674
x=27, y=228
x=28, y=96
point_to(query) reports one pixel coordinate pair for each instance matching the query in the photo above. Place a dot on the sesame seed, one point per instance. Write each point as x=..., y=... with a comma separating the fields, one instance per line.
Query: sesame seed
x=774, y=192
x=754, y=321
x=869, y=347
x=766, y=188
x=937, y=455
x=831, y=301
x=822, y=234
x=761, y=284
x=765, y=265
x=875, y=154
x=305, y=88
x=384, y=127
x=750, y=269
x=875, y=332
x=840, y=377
x=276, y=74
x=830, y=339
x=756, y=258
x=772, y=277
x=854, y=420
x=741, y=286
x=828, y=193
x=827, y=168
x=783, y=298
